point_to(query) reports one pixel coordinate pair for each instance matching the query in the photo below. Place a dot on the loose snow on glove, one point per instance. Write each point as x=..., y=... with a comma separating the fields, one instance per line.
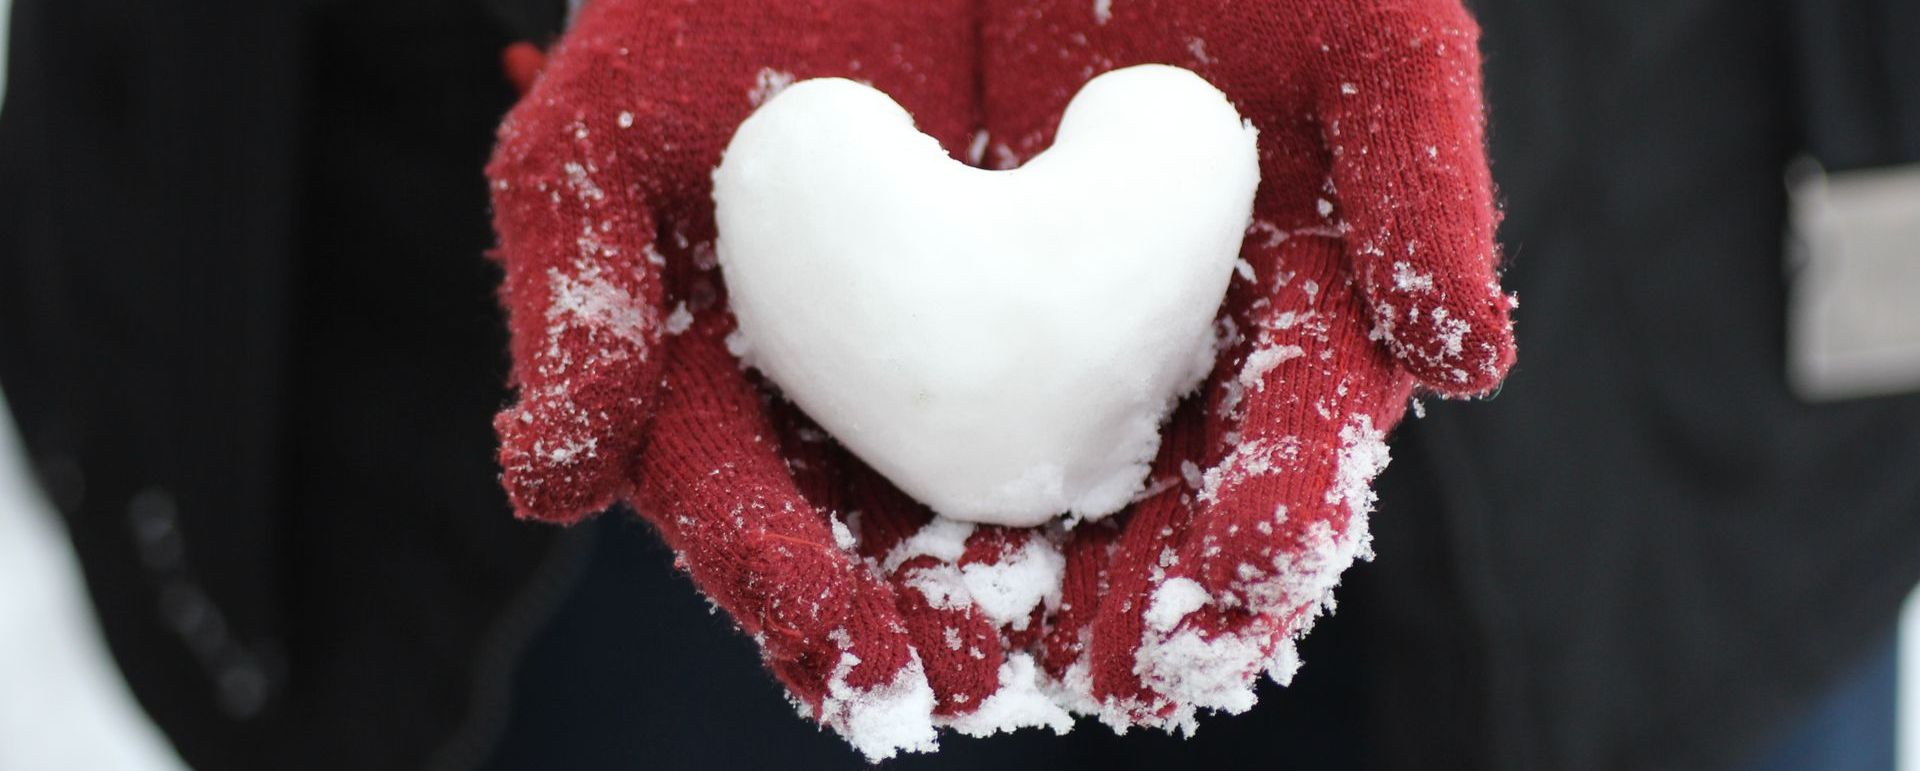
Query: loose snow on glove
x=1194, y=670
x=879, y=722
x=1002, y=345
x=1006, y=590
x=1020, y=703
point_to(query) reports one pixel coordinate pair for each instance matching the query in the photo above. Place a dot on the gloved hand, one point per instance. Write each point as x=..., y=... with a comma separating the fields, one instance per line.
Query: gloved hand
x=1369, y=271
x=601, y=194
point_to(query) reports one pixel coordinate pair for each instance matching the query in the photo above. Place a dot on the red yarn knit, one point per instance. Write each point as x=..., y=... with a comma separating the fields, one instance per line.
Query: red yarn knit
x=1369, y=270
x=602, y=202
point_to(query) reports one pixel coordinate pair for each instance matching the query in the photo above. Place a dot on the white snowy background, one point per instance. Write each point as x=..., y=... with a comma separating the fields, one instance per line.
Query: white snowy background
x=64, y=706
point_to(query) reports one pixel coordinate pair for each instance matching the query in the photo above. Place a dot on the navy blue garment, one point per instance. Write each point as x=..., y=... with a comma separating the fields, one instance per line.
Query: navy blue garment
x=1852, y=727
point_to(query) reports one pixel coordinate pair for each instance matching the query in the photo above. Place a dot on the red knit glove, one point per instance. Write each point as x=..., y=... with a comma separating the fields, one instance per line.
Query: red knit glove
x=1369, y=270
x=602, y=201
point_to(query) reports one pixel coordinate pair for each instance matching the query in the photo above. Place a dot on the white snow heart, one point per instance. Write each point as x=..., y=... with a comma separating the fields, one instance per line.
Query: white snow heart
x=1002, y=345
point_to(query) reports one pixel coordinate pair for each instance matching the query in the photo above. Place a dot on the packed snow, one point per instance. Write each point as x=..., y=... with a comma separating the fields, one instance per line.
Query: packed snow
x=1007, y=589
x=1002, y=345
x=882, y=721
x=1021, y=702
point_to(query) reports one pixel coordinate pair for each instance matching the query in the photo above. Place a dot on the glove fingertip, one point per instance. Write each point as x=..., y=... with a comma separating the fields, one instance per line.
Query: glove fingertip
x=1455, y=350
x=876, y=694
x=552, y=499
x=960, y=652
x=521, y=63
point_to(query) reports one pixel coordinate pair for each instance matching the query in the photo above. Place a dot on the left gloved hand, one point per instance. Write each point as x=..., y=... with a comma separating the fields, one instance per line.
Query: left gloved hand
x=881, y=626
x=1369, y=272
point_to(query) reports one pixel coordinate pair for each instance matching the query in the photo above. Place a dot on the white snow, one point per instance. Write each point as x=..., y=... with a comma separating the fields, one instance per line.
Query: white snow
x=1244, y=270
x=1196, y=673
x=1452, y=333
x=880, y=722
x=1192, y=671
x=1263, y=360
x=1198, y=48
x=680, y=320
x=1363, y=455
x=67, y=706
x=768, y=83
x=1074, y=690
x=941, y=584
x=1009, y=589
x=1003, y=345
x=1005, y=590
x=583, y=184
x=1173, y=601
x=942, y=539
x=1249, y=459
x=1020, y=702
x=843, y=536
x=589, y=300
x=1284, y=663
x=1406, y=279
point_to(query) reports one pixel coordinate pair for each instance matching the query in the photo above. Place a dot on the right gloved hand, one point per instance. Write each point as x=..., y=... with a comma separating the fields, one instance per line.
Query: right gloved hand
x=878, y=625
x=1369, y=272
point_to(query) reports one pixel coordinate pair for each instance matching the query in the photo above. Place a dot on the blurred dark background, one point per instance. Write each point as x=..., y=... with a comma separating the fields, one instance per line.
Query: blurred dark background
x=251, y=348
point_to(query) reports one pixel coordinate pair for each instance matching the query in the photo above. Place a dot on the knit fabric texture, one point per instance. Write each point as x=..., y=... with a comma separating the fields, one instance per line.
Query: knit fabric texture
x=1368, y=273
x=601, y=194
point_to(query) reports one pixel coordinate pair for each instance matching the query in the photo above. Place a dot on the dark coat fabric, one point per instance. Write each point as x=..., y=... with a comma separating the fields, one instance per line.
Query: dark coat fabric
x=249, y=337
x=250, y=341
x=1665, y=554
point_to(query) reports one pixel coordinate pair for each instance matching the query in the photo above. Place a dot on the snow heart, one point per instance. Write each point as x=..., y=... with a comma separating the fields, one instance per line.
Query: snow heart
x=1002, y=345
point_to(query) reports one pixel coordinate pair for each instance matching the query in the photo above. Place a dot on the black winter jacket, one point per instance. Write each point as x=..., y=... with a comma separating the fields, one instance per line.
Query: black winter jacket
x=249, y=336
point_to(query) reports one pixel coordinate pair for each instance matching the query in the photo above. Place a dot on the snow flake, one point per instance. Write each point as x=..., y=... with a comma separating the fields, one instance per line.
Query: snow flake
x=843, y=536
x=1198, y=48
x=1249, y=460
x=1262, y=361
x=679, y=320
x=1406, y=279
x=582, y=184
x=1243, y=269
x=1274, y=235
x=977, y=149
x=767, y=83
x=589, y=300
x=1451, y=332
x=738, y=345
x=941, y=538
